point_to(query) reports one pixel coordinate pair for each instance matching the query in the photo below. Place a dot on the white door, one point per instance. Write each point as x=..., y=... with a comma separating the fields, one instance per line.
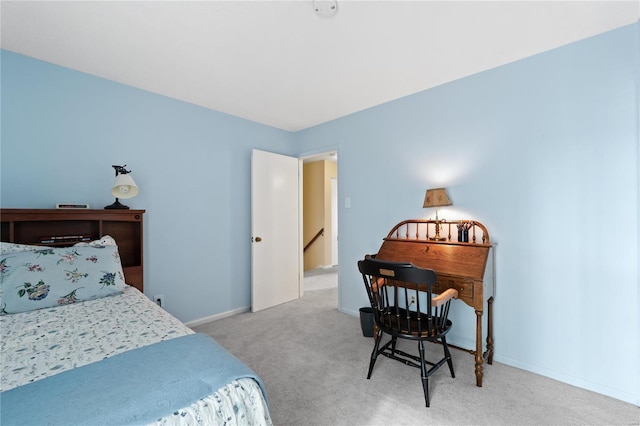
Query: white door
x=275, y=229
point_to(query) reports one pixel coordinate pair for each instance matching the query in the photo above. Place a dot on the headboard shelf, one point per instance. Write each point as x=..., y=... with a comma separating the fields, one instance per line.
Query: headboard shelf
x=38, y=226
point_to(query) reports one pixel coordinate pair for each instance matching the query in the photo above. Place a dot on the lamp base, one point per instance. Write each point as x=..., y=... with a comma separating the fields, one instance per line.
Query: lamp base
x=438, y=227
x=117, y=205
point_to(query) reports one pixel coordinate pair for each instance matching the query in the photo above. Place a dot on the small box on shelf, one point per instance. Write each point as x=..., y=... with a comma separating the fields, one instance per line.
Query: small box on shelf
x=72, y=206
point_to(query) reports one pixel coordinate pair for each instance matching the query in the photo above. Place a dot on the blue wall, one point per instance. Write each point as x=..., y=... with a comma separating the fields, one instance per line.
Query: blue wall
x=544, y=151
x=61, y=132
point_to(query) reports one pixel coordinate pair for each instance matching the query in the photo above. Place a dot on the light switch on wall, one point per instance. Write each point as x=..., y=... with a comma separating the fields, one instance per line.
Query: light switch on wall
x=347, y=203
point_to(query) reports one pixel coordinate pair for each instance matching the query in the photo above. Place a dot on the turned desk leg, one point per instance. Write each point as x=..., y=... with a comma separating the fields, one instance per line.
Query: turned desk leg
x=490, y=331
x=478, y=354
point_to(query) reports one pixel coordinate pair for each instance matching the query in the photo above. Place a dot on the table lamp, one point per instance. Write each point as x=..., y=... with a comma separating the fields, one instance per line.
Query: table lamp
x=123, y=187
x=437, y=197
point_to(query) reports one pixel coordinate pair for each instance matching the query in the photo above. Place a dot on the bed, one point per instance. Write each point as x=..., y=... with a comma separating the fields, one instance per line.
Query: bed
x=80, y=346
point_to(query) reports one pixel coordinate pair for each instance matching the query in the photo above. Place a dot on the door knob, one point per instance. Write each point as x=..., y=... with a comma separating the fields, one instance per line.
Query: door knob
x=258, y=239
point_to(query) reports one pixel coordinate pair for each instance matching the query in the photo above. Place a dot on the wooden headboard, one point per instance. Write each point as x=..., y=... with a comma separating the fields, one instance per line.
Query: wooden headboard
x=65, y=227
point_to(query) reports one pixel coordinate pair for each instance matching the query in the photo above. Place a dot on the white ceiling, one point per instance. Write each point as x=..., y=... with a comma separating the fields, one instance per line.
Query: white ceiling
x=278, y=63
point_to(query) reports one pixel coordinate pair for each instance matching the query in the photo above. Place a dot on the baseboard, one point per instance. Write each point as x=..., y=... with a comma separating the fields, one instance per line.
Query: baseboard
x=600, y=388
x=217, y=316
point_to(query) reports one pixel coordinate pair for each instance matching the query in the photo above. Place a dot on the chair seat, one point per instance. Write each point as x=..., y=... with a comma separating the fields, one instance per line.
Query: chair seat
x=413, y=326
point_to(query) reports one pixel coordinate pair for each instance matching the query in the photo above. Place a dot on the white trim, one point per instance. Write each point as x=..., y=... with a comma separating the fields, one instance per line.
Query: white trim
x=217, y=316
x=600, y=388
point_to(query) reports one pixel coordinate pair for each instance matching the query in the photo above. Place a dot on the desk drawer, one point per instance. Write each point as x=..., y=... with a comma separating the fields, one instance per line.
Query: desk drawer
x=466, y=290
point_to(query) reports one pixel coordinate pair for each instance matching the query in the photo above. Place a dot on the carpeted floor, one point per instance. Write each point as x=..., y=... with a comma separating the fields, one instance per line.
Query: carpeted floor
x=313, y=360
x=320, y=278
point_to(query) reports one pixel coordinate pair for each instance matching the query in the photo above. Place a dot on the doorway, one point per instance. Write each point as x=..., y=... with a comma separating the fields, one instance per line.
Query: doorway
x=320, y=220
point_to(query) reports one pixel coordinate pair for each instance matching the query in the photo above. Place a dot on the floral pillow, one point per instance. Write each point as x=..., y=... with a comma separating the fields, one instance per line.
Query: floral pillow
x=12, y=247
x=107, y=240
x=48, y=276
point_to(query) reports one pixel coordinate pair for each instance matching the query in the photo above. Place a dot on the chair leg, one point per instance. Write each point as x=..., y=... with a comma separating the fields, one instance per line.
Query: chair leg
x=448, y=355
x=423, y=373
x=374, y=354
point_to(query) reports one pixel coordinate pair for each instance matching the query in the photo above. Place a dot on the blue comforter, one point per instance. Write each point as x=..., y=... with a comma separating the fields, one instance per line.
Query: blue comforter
x=134, y=387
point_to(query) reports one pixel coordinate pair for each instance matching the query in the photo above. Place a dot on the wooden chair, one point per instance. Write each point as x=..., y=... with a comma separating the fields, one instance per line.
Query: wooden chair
x=404, y=307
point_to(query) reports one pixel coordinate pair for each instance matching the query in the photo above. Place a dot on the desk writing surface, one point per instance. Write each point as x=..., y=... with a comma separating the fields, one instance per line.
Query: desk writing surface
x=463, y=260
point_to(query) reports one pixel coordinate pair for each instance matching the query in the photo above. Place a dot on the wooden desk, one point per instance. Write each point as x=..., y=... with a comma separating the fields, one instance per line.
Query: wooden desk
x=459, y=265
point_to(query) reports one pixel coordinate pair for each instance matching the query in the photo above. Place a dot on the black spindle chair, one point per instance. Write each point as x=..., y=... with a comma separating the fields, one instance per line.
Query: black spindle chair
x=405, y=307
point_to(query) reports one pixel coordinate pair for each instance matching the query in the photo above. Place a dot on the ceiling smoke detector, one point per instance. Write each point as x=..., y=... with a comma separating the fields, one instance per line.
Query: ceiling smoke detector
x=325, y=8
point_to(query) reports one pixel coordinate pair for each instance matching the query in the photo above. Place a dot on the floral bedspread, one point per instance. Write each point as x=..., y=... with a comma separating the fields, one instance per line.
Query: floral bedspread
x=41, y=343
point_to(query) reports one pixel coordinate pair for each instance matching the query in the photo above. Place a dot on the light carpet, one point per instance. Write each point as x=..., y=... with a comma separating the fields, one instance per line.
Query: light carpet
x=313, y=360
x=320, y=278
